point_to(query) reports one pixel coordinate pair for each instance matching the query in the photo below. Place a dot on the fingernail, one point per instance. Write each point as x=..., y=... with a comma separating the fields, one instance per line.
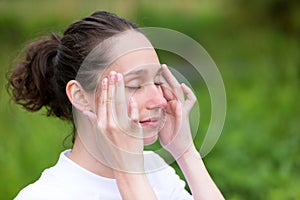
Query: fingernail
x=164, y=66
x=104, y=82
x=112, y=75
x=119, y=76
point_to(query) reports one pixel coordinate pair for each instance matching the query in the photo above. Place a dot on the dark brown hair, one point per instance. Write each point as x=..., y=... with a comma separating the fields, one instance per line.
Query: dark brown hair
x=50, y=63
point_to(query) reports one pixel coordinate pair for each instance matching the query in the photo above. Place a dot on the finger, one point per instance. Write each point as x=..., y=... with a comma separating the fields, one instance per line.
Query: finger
x=191, y=98
x=169, y=76
x=92, y=117
x=111, y=114
x=167, y=93
x=120, y=100
x=134, y=112
x=97, y=96
x=102, y=109
x=173, y=82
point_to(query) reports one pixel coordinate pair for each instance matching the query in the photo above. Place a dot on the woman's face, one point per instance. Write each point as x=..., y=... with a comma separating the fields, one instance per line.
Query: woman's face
x=142, y=74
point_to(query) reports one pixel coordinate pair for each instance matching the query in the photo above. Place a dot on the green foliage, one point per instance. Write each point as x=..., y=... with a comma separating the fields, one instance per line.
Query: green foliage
x=256, y=156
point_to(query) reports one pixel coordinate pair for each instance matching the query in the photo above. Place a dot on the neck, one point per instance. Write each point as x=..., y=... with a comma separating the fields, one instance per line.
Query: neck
x=83, y=158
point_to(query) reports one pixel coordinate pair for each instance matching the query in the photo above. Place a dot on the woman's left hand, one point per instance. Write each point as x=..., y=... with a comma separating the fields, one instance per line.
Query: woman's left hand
x=176, y=135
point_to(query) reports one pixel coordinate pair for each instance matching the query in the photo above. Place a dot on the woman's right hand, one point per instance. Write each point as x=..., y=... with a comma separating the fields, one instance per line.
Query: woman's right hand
x=118, y=132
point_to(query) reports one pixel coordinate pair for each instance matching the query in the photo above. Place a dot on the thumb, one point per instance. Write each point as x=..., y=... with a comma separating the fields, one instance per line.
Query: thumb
x=92, y=117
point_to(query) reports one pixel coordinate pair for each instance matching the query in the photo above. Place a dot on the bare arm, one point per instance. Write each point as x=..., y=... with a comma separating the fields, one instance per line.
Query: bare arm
x=197, y=176
x=176, y=137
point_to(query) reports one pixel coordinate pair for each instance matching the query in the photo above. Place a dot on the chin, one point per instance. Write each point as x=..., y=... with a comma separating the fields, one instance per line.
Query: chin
x=150, y=140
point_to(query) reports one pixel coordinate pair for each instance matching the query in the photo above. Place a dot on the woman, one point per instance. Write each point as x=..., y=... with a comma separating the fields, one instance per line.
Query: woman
x=104, y=76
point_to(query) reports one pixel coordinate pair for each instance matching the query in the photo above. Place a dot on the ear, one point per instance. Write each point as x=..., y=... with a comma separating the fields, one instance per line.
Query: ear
x=77, y=95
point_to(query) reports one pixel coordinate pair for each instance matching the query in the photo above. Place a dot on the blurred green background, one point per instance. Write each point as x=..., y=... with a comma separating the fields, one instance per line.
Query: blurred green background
x=256, y=46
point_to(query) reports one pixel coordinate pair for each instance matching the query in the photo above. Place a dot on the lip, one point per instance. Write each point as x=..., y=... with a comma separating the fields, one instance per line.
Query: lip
x=151, y=122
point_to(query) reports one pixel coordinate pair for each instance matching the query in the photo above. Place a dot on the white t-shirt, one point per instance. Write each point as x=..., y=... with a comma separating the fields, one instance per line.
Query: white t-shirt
x=69, y=181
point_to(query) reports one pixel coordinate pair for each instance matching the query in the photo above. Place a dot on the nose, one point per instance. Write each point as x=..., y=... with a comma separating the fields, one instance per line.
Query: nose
x=155, y=98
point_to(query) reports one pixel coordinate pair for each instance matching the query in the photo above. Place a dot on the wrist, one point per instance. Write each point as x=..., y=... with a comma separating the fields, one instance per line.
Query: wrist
x=130, y=180
x=190, y=153
x=128, y=177
x=128, y=163
x=134, y=186
x=126, y=174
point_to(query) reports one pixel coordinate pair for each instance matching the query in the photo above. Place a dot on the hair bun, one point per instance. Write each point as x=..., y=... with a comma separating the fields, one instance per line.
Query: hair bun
x=32, y=82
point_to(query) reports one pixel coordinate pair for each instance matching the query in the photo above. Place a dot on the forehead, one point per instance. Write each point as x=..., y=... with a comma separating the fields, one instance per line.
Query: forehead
x=136, y=60
x=129, y=50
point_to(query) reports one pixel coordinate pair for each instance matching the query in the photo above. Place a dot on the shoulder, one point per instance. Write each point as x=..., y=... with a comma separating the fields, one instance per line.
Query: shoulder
x=48, y=186
x=63, y=180
x=34, y=191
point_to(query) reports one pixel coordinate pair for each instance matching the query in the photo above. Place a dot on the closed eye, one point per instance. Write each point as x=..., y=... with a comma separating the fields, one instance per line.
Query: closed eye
x=139, y=87
x=133, y=87
x=158, y=83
